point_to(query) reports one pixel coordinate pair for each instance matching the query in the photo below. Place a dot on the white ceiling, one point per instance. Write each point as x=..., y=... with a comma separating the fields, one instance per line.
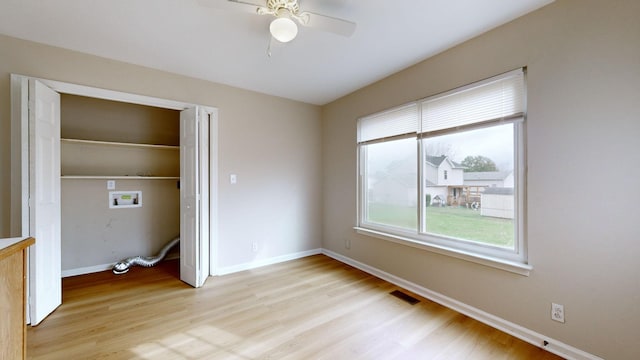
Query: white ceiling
x=228, y=47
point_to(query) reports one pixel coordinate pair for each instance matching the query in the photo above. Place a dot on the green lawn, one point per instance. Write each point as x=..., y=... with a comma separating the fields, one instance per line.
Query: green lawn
x=457, y=222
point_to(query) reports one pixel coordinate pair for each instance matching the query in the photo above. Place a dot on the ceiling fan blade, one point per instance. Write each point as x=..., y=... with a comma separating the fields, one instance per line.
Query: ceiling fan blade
x=327, y=23
x=249, y=6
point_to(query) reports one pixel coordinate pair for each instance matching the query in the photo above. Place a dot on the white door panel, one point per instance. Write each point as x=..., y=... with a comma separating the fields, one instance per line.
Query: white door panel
x=45, y=287
x=203, y=168
x=189, y=205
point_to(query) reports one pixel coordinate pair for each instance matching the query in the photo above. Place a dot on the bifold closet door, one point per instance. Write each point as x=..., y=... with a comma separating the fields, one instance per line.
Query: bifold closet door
x=45, y=283
x=194, y=264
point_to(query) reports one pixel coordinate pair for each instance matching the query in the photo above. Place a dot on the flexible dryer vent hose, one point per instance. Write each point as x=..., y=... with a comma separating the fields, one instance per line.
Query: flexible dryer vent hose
x=123, y=266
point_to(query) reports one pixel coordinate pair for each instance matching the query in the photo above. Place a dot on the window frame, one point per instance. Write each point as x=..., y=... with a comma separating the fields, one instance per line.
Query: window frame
x=514, y=260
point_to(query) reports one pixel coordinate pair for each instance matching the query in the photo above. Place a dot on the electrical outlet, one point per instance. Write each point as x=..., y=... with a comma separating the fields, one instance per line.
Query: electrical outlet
x=254, y=246
x=557, y=312
x=347, y=244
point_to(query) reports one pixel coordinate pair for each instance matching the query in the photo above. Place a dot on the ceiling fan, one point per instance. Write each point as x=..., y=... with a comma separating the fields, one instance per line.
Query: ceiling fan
x=283, y=28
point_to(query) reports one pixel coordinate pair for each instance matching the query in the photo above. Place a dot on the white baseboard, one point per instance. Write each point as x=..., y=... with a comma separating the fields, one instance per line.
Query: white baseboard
x=508, y=327
x=103, y=267
x=221, y=271
x=86, y=270
x=265, y=262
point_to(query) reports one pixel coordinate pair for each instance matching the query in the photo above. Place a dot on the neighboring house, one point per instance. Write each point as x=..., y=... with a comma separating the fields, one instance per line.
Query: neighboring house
x=437, y=194
x=446, y=183
x=493, y=190
x=444, y=180
x=487, y=179
x=476, y=183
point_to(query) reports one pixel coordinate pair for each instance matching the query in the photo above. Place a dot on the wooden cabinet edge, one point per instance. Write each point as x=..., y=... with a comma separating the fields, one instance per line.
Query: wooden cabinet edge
x=13, y=253
x=16, y=246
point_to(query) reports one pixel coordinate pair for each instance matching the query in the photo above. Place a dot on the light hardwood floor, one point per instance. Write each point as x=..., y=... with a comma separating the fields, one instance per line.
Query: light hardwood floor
x=311, y=308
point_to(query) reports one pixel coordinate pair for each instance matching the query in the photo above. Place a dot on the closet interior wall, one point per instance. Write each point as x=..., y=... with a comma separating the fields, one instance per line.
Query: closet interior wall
x=137, y=147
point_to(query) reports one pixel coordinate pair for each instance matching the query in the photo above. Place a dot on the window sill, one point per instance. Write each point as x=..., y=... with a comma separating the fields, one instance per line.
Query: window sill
x=511, y=266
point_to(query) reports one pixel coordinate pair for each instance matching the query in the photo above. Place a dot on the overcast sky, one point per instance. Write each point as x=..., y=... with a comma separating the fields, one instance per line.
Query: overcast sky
x=495, y=142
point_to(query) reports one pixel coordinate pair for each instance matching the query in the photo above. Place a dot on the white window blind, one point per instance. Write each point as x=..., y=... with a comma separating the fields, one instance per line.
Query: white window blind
x=496, y=98
x=399, y=121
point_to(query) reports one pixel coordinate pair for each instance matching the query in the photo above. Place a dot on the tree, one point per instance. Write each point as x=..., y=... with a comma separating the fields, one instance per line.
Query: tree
x=478, y=163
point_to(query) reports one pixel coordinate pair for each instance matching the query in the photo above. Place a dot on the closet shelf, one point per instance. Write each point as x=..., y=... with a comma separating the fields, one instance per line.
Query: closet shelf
x=119, y=177
x=112, y=143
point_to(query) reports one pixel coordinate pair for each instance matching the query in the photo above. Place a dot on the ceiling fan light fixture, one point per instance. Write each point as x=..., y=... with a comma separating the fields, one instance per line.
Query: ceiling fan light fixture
x=283, y=29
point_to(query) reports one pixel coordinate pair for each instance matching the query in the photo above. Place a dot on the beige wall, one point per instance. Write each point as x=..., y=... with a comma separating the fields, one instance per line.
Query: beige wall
x=272, y=144
x=583, y=60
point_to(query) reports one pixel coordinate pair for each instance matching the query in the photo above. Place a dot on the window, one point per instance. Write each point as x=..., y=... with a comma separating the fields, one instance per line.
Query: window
x=447, y=171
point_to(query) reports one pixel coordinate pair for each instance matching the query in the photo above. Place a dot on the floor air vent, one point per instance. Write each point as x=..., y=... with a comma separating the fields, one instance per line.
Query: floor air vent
x=408, y=298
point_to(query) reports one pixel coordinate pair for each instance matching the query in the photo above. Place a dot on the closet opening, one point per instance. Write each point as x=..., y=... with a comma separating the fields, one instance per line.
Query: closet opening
x=115, y=175
x=120, y=178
